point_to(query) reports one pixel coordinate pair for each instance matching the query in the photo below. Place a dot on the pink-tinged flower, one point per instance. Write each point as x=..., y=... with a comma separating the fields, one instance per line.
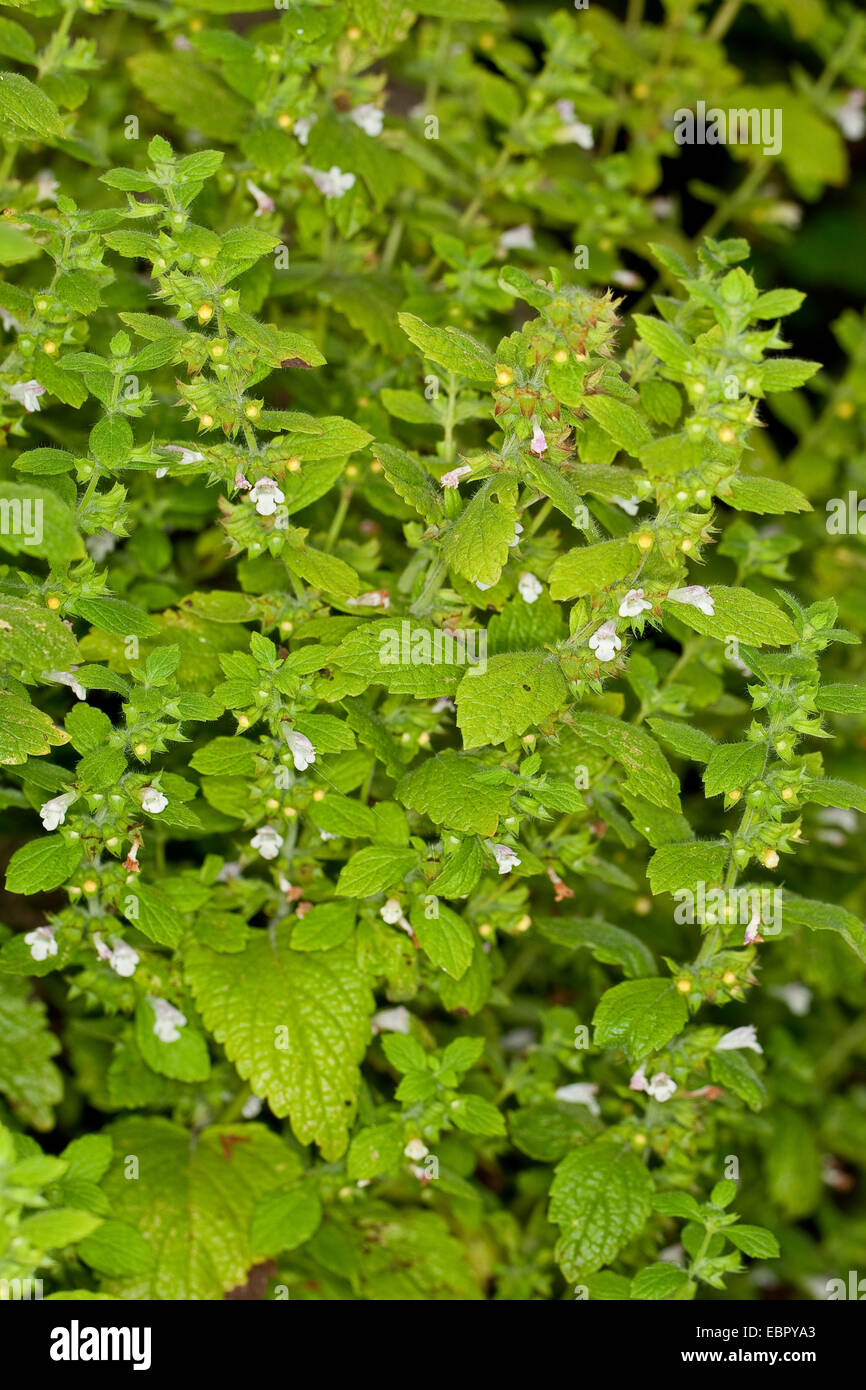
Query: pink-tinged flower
x=633, y=604
x=538, y=444
x=375, y=598
x=696, y=596
x=604, y=641
x=332, y=182
x=167, y=1020
x=242, y=483
x=753, y=930
x=130, y=863
x=580, y=1093
x=506, y=858
x=41, y=943
x=302, y=750
x=638, y=1081
x=264, y=201
x=153, y=801
x=396, y=1020
x=302, y=127
x=661, y=1087
x=529, y=588
x=266, y=495
x=53, y=813
x=740, y=1038
x=267, y=841
x=519, y=238
x=452, y=478
x=27, y=393
x=120, y=955
x=368, y=118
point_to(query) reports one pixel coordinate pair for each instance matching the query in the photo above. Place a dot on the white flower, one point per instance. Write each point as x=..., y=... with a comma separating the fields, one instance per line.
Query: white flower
x=753, y=929
x=580, y=1093
x=604, y=641
x=375, y=598
x=633, y=604
x=697, y=596
x=167, y=1019
x=186, y=455
x=41, y=943
x=121, y=957
x=231, y=869
x=302, y=750
x=518, y=532
x=264, y=201
x=628, y=504
x=46, y=186
x=576, y=132
x=302, y=127
x=369, y=118
x=392, y=1020
x=529, y=587
x=452, y=478
x=100, y=546
x=746, y=1037
x=68, y=678
x=628, y=279
x=505, y=857
x=565, y=111
x=638, y=1081
x=267, y=841
x=53, y=812
x=538, y=445
x=153, y=800
x=27, y=393
x=479, y=584
x=851, y=118
x=416, y=1150
x=8, y=320
x=797, y=996
x=266, y=494
x=660, y=1086
x=443, y=703
x=252, y=1107
x=518, y=238
x=332, y=182
x=391, y=911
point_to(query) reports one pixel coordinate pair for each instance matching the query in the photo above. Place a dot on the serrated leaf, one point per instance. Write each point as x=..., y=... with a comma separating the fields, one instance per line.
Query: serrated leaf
x=588, y=569
x=733, y=766
x=450, y=348
x=738, y=613
x=444, y=937
x=600, y=1199
x=374, y=869
x=609, y=944
x=41, y=865
x=640, y=1016
x=477, y=542
x=676, y=868
x=649, y=774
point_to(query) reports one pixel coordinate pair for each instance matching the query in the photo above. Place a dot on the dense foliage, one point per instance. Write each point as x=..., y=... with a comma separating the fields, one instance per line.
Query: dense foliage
x=428, y=636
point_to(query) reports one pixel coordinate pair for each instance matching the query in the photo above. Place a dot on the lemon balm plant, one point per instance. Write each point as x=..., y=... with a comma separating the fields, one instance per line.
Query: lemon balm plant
x=428, y=735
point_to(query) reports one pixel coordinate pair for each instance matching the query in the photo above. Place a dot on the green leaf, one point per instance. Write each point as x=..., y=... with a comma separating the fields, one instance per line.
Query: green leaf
x=36, y=522
x=285, y=1220
x=185, y=1059
x=765, y=496
x=640, y=1016
x=449, y=788
x=117, y=1250
x=735, y=1073
x=609, y=944
x=324, y=927
x=450, y=348
x=475, y=1115
x=29, y=1080
x=660, y=1282
x=675, y=868
x=516, y=690
x=374, y=869
x=193, y=1203
x=51, y=1230
x=26, y=107
x=684, y=739
x=41, y=865
x=733, y=765
x=588, y=569
x=841, y=699
x=833, y=791
x=600, y=1199
x=295, y=1024
x=738, y=613
x=476, y=544
x=620, y=421
x=25, y=731
x=753, y=1240
x=374, y=1150
x=444, y=937
x=111, y=441
x=818, y=916
x=648, y=773
x=666, y=343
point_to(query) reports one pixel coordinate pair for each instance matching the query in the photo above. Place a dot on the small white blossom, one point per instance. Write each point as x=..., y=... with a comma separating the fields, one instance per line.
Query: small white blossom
x=368, y=118
x=120, y=955
x=186, y=455
x=231, y=869
x=53, y=813
x=697, y=596
x=392, y=1020
x=443, y=703
x=391, y=911
x=302, y=750
x=538, y=446
x=529, y=587
x=100, y=546
x=797, y=996
x=628, y=504
x=452, y=478
x=153, y=800
x=266, y=494
x=633, y=604
x=252, y=1107
x=375, y=598
x=638, y=1081
x=576, y=132
x=9, y=321
x=46, y=186
x=27, y=393
x=505, y=857
x=519, y=238
x=753, y=929
x=740, y=1038
x=267, y=841
x=851, y=118
x=416, y=1150
x=604, y=641
x=627, y=279
x=167, y=1019
x=264, y=201
x=518, y=532
x=517, y=1040
x=68, y=678
x=660, y=1086
x=302, y=127
x=580, y=1093
x=41, y=943
x=332, y=182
